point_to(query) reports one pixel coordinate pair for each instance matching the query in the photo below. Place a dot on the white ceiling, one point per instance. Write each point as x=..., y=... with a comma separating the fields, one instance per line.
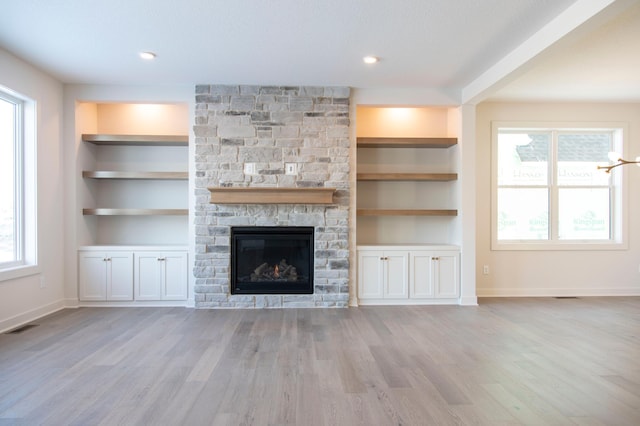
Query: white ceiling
x=443, y=44
x=602, y=64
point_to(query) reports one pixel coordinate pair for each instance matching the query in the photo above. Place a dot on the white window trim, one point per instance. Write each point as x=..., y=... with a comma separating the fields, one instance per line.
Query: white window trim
x=619, y=224
x=29, y=265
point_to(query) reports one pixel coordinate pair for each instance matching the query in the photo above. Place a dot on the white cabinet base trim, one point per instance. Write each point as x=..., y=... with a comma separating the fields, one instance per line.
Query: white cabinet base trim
x=412, y=302
x=408, y=275
x=138, y=304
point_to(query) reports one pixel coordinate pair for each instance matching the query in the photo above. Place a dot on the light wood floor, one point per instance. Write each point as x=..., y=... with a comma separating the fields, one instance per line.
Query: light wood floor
x=509, y=361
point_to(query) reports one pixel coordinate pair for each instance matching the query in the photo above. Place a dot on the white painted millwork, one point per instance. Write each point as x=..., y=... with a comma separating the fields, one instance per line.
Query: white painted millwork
x=383, y=274
x=422, y=272
x=396, y=275
x=105, y=275
x=132, y=179
x=160, y=275
x=132, y=273
x=434, y=275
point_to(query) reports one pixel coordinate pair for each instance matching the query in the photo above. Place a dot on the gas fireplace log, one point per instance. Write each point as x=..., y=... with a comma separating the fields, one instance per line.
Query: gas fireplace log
x=261, y=269
x=279, y=272
x=293, y=274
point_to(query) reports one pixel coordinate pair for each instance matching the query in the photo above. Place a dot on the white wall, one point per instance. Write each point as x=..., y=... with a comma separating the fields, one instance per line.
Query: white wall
x=556, y=273
x=23, y=299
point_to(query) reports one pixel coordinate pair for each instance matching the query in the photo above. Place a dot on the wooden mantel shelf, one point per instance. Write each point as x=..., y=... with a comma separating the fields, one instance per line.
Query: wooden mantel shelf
x=258, y=195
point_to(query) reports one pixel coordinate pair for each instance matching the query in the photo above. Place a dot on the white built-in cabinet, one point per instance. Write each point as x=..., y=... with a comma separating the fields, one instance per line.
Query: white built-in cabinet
x=434, y=274
x=135, y=206
x=107, y=274
x=160, y=275
x=407, y=200
x=132, y=203
x=383, y=274
x=396, y=275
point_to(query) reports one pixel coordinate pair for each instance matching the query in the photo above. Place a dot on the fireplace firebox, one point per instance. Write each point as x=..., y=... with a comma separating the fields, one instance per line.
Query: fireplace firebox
x=272, y=260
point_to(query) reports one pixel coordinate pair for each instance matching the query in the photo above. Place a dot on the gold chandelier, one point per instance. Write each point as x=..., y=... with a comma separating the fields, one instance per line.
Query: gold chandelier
x=617, y=161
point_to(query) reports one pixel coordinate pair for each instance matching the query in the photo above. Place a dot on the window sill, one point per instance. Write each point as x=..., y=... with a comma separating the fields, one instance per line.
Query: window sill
x=558, y=246
x=18, y=272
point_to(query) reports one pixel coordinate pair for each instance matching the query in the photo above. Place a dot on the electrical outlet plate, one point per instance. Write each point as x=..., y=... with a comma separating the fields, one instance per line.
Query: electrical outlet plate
x=249, y=168
x=290, y=169
x=485, y=269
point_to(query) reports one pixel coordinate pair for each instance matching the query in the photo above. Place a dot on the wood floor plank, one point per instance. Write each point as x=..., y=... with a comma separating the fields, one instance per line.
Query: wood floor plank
x=516, y=407
x=439, y=377
x=508, y=361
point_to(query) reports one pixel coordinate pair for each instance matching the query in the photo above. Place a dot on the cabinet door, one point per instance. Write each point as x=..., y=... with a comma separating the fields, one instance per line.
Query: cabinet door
x=448, y=279
x=175, y=276
x=396, y=274
x=148, y=275
x=421, y=275
x=92, y=275
x=370, y=274
x=120, y=276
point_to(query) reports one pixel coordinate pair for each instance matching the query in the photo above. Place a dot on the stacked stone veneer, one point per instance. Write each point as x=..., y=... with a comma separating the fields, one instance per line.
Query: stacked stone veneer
x=271, y=126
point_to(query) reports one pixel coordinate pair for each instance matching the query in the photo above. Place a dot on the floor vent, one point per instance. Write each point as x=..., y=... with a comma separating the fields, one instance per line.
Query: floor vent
x=566, y=297
x=21, y=329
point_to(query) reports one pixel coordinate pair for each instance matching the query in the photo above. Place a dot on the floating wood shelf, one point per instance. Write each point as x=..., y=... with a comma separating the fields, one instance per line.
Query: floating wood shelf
x=406, y=142
x=136, y=140
x=406, y=212
x=433, y=177
x=107, y=174
x=257, y=195
x=135, y=212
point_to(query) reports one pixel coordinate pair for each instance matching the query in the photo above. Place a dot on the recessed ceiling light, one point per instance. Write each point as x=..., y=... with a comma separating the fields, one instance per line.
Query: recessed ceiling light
x=370, y=59
x=147, y=55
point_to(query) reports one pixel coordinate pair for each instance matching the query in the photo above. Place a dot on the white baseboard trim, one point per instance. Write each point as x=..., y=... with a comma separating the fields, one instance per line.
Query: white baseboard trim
x=135, y=304
x=71, y=303
x=556, y=292
x=30, y=316
x=407, y=302
x=469, y=301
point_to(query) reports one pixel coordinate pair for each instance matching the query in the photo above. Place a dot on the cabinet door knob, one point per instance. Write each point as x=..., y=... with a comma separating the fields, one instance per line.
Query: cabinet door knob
x=436, y=258
x=107, y=259
x=161, y=258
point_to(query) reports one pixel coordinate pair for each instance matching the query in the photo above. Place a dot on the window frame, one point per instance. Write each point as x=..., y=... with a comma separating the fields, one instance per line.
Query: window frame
x=618, y=186
x=25, y=196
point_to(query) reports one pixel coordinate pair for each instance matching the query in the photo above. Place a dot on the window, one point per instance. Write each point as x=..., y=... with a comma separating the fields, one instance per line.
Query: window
x=548, y=192
x=17, y=186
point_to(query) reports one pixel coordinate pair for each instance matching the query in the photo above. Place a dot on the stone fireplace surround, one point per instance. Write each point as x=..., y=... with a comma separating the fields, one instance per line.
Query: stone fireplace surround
x=271, y=126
